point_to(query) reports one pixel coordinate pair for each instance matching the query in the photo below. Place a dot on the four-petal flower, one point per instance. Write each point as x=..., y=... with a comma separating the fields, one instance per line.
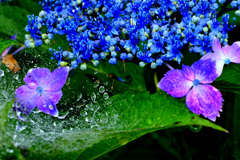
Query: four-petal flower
x=202, y=98
x=42, y=89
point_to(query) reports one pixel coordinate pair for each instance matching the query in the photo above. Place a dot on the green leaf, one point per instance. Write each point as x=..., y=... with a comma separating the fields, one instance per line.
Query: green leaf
x=138, y=113
x=229, y=79
x=4, y=44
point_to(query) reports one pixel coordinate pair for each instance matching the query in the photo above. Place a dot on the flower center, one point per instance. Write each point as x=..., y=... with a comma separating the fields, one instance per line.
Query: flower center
x=196, y=82
x=227, y=61
x=39, y=89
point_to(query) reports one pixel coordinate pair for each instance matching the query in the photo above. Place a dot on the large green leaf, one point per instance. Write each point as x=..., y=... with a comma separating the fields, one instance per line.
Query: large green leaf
x=229, y=79
x=130, y=115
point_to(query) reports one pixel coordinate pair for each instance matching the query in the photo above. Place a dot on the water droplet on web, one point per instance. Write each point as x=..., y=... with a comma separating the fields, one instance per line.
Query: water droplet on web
x=1, y=73
x=16, y=76
x=95, y=71
x=96, y=84
x=20, y=127
x=79, y=96
x=105, y=96
x=62, y=115
x=195, y=128
x=83, y=113
x=105, y=83
x=101, y=89
x=36, y=110
x=93, y=97
x=104, y=118
x=90, y=106
x=9, y=150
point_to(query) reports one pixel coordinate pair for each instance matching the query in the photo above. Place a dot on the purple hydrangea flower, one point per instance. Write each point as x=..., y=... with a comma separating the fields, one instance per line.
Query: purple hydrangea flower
x=193, y=82
x=223, y=55
x=42, y=89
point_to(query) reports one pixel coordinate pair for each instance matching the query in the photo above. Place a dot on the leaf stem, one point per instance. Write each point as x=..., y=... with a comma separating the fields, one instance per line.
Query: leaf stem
x=156, y=81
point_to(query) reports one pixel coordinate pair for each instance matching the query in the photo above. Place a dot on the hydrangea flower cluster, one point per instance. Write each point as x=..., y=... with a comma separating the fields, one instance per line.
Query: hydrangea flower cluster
x=124, y=29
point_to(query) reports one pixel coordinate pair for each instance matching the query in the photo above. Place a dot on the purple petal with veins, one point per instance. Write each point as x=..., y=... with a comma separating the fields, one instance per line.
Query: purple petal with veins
x=188, y=72
x=57, y=79
x=37, y=77
x=205, y=100
x=175, y=84
x=205, y=71
x=46, y=105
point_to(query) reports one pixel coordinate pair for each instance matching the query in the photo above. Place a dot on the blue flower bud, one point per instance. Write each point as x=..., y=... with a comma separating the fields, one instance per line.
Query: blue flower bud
x=95, y=56
x=113, y=60
x=65, y=53
x=159, y=62
x=74, y=64
x=130, y=56
x=70, y=55
x=38, y=42
x=102, y=55
x=50, y=36
x=123, y=56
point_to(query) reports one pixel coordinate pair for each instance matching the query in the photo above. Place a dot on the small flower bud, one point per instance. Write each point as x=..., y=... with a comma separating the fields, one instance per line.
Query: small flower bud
x=153, y=65
x=44, y=36
x=83, y=66
x=47, y=41
x=32, y=45
x=63, y=64
x=142, y=64
x=27, y=36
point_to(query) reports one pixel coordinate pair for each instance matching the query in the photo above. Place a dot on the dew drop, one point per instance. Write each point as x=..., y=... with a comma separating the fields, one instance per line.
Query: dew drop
x=83, y=113
x=79, y=96
x=95, y=71
x=1, y=73
x=101, y=89
x=105, y=83
x=10, y=150
x=195, y=128
x=62, y=115
x=96, y=84
x=20, y=127
x=123, y=140
x=148, y=121
x=105, y=96
x=93, y=97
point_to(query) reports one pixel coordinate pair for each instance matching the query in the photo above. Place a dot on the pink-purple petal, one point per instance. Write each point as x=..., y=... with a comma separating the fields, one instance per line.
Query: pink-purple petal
x=57, y=79
x=216, y=46
x=232, y=52
x=46, y=105
x=205, y=100
x=175, y=84
x=205, y=71
x=188, y=72
x=4, y=53
x=37, y=77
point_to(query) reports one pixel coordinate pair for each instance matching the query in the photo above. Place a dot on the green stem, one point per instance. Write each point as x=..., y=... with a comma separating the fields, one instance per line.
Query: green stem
x=156, y=81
